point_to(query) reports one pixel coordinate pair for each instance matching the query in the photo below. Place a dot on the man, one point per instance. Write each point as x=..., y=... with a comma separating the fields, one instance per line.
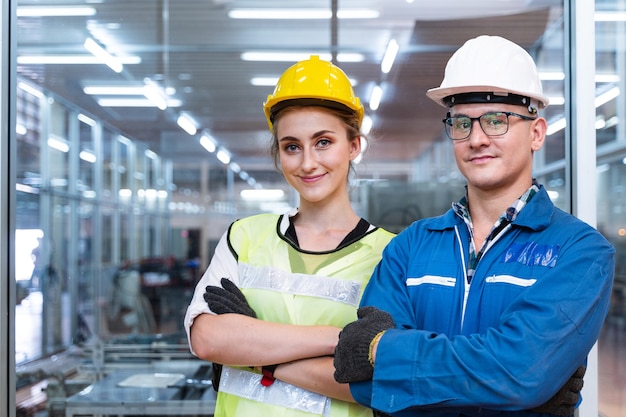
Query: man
x=495, y=304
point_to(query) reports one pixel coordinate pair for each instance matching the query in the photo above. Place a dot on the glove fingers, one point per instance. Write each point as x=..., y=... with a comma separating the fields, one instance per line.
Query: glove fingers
x=570, y=398
x=233, y=289
x=221, y=306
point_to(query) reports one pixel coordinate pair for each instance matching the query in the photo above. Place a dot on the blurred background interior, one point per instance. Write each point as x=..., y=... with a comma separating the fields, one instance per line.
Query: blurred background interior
x=138, y=135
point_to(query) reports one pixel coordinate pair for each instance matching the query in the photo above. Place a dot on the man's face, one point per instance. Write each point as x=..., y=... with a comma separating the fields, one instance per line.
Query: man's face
x=503, y=162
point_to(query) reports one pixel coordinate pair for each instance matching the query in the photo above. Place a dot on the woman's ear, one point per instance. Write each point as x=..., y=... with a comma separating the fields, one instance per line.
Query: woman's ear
x=355, y=147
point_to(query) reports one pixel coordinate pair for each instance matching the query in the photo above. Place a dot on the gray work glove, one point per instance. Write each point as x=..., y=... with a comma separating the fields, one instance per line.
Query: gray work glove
x=563, y=403
x=352, y=351
x=227, y=299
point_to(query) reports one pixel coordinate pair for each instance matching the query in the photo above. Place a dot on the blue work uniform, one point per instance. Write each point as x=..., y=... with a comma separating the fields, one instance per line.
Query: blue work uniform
x=504, y=342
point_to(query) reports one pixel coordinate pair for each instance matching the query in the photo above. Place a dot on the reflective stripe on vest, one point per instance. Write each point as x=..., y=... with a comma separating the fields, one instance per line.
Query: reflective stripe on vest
x=274, y=279
x=248, y=385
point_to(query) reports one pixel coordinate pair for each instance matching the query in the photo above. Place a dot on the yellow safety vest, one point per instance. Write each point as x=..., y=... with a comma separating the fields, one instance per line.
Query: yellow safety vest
x=287, y=285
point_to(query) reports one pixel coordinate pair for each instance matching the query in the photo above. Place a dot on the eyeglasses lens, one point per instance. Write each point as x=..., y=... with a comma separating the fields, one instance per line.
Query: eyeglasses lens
x=493, y=124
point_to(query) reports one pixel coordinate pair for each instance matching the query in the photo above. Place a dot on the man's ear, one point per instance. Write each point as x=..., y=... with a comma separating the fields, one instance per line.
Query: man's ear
x=538, y=132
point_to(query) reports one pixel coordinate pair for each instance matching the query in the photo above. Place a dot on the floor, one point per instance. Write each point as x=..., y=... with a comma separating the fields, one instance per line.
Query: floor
x=611, y=354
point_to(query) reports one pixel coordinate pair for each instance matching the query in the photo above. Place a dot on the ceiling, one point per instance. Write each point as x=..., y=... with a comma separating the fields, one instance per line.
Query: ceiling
x=193, y=48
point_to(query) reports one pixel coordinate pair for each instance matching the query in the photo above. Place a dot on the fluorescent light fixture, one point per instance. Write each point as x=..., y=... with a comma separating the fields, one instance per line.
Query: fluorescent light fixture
x=87, y=156
x=308, y=14
x=607, y=78
x=134, y=102
x=298, y=56
x=613, y=121
x=560, y=76
x=30, y=90
x=262, y=194
x=556, y=101
x=366, y=125
x=556, y=126
x=20, y=129
x=244, y=175
x=264, y=81
x=234, y=166
x=103, y=55
x=58, y=143
x=603, y=168
x=45, y=11
x=375, y=97
x=251, y=182
x=613, y=16
x=223, y=156
x=71, y=60
x=86, y=119
x=154, y=94
x=607, y=96
x=207, y=142
x=390, y=56
x=187, y=123
x=151, y=154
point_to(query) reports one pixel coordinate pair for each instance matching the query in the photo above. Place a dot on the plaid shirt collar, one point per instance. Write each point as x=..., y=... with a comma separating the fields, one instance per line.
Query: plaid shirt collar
x=507, y=217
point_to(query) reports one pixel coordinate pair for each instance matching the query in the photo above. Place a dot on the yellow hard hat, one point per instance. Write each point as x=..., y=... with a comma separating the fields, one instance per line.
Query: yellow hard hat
x=312, y=82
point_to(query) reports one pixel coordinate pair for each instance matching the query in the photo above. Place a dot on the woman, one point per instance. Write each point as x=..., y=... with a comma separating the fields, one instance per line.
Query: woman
x=302, y=273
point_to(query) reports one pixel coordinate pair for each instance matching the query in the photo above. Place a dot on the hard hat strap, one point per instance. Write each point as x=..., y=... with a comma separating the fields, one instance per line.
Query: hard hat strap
x=486, y=97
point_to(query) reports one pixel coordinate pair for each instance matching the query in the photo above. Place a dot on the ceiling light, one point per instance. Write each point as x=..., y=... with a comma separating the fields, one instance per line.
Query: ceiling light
x=613, y=16
x=71, y=60
x=86, y=119
x=103, y=55
x=298, y=56
x=309, y=14
x=30, y=90
x=58, y=143
x=556, y=126
x=234, y=166
x=41, y=11
x=207, y=142
x=607, y=96
x=187, y=123
x=134, y=102
x=390, y=56
x=223, y=156
x=87, y=156
x=264, y=81
x=113, y=90
x=155, y=95
x=366, y=125
x=375, y=97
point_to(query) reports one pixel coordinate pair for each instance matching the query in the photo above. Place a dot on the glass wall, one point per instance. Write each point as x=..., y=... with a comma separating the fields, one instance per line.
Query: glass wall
x=111, y=235
x=90, y=203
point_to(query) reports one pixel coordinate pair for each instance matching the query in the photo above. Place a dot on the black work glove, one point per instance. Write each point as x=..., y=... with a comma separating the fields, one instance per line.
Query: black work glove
x=352, y=351
x=563, y=403
x=228, y=299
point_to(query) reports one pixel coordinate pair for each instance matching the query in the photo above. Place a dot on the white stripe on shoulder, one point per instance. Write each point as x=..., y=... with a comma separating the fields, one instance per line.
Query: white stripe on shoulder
x=432, y=279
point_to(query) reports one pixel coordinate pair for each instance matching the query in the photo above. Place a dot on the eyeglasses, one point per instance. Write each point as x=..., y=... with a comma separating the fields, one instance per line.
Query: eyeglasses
x=493, y=124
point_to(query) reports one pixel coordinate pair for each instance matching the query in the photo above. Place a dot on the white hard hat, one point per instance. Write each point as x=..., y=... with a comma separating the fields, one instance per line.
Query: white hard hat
x=490, y=69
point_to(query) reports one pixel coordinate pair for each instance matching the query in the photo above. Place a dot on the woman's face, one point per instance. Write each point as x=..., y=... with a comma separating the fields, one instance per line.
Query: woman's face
x=315, y=153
